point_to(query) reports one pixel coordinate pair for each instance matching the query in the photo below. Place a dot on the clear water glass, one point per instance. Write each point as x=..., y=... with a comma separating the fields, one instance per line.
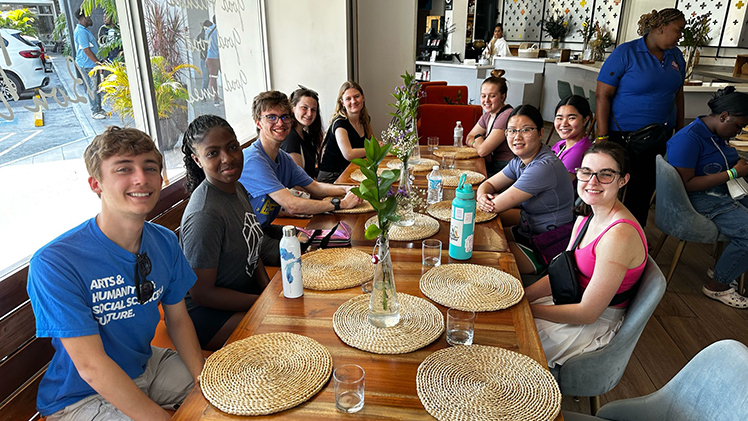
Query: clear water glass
x=348, y=380
x=448, y=161
x=460, y=327
x=433, y=143
x=431, y=252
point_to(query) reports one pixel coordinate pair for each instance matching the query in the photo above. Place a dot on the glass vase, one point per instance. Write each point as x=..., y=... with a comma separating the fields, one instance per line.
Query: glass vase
x=404, y=190
x=384, y=309
x=554, y=43
x=690, y=59
x=415, y=156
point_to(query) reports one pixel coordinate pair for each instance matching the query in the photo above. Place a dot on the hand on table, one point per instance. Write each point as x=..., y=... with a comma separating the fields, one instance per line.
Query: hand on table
x=350, y=201
x=486, y=202
x=741, y=167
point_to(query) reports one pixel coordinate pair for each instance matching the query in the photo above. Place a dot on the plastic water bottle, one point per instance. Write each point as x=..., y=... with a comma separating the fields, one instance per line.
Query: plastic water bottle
x=462, y=224
x=458, y=134
x=436, y=186
x=290, y=254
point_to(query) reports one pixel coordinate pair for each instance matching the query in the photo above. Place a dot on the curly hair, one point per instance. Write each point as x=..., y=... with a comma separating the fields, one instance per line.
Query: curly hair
x=340, y=111
x=727, y=99
x=655, y=19
x=118, y=141
x=315, y=129
x=497, y=78
x=194, y=135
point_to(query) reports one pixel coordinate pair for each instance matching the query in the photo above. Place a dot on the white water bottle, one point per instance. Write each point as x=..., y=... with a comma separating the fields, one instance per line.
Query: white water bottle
x=458, y=135
x=436, y=186
x=290, y=256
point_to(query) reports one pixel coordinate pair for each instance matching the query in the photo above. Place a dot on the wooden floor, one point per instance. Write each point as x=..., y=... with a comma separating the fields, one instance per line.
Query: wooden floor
x=683, y=324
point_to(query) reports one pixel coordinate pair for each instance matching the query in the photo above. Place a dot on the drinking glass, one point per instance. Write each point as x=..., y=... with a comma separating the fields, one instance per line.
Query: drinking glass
x=460, y=327
x=431, y=252
x=415, y=155
x=448, y=161
x=433, y=142
x=349, y=388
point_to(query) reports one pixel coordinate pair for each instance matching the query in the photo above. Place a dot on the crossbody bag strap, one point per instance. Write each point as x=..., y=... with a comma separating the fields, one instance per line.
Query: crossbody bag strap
x=582, y=232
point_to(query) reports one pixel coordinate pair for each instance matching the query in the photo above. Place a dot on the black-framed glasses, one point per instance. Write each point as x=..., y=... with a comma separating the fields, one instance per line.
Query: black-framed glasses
x=143, y=287
x=524, y=131
x=272, y=118
x=605, y=176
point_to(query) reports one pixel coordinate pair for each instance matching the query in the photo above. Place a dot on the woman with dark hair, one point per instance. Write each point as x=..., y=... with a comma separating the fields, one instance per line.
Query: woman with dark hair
x=706, y=163
x=219, y=234
x=536, y=181
x=305, y=138
x=349, y=126
x=497, y=46
x=610, y=258
x=641, y=83
x=572, y=115
x=487, y=137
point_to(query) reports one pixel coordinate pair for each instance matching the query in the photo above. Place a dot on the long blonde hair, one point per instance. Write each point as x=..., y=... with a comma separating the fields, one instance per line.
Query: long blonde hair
x=340, y=111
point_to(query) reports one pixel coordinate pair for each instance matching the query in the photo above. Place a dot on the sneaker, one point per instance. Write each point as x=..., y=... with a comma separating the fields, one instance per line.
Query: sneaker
x=729, y=297
x=217, y=102
x=710, y=274
x=98, y=116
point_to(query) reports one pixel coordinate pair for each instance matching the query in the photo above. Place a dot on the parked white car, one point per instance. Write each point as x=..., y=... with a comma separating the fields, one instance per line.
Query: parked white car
x=27, y=67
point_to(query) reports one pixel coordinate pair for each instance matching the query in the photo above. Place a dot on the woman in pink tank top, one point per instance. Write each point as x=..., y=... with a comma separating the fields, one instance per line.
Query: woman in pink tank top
x=611, y=257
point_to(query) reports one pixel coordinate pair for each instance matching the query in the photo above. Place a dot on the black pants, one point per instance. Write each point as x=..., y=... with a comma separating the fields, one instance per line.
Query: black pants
x=270, y=247
x=642, y=184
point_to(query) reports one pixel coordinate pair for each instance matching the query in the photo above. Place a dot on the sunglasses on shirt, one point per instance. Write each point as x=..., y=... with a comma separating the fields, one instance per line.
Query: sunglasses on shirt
x=143, y=287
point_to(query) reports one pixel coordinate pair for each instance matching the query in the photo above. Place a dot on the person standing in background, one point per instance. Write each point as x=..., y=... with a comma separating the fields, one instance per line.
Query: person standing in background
x=212, y=60
x=86, y=49
x=202, y=45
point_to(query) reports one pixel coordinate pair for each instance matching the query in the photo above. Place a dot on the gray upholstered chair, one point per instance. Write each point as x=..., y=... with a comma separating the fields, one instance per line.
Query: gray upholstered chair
x=676, y=217
x=564, y=89
x=712, y=386
x=597, y=372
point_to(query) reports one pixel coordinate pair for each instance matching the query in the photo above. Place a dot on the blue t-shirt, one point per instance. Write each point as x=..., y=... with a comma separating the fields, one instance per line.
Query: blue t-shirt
x=84, y=38
x=692, y=147
x=262, y=176
x=646, y=87
x=546, y=178
x=82, y=283
x=211, y=35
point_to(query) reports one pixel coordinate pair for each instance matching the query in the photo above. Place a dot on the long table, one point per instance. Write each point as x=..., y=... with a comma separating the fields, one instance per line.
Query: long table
x=390, y=379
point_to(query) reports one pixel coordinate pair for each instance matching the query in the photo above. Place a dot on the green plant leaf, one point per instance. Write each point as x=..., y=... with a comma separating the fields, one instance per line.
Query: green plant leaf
x=360, y=162
x=372, y=232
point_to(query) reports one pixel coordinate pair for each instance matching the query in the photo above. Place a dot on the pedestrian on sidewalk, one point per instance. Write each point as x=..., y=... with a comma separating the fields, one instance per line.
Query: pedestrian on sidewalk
x=86, y=49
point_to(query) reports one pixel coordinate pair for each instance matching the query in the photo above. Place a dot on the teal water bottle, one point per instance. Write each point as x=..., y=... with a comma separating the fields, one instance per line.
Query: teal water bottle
x=462, y=224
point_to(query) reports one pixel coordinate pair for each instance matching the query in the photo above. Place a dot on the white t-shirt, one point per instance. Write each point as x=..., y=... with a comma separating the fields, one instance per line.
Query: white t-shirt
x=497, y=48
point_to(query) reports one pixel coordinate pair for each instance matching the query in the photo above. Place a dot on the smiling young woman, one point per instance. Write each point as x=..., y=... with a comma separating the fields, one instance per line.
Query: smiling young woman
x=487, y=136
x=304, y=140
x=572, y=115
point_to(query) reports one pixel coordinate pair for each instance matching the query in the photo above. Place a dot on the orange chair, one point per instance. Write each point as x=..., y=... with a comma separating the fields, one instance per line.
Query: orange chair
x=450, y=94
x=433, y=83
x=439, y=120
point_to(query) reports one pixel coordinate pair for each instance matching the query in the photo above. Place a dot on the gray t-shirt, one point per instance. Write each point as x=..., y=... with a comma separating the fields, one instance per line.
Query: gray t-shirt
x=220, y=230
x=546, y=178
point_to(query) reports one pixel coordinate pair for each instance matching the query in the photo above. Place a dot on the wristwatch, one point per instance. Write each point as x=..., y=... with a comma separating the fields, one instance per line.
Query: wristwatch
x=335, y=202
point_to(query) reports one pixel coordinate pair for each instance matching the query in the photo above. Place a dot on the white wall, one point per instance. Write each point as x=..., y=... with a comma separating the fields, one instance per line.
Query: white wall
x=386, y=49
x=307, y=46
x=458, y=17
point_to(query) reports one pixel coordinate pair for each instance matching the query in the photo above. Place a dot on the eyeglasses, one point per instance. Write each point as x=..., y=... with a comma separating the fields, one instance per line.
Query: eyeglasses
x=143, y=287
x=603, y=176
x=515, y=132
x=272, y=118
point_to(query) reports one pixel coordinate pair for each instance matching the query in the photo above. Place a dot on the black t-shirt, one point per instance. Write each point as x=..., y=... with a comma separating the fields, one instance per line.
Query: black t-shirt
x=303, y=146
x=332, y=159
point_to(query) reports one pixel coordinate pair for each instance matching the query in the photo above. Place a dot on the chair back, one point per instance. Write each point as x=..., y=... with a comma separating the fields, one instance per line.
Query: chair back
x=712, y=386
x=597, y=372
x=578, y=90
x=439, y=120
x=450, y=94
x=424, y=84
x=674, y=214
x=564, y=89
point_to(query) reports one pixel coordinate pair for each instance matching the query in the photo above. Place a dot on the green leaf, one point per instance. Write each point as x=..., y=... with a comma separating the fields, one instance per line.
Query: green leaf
x=371, y=175
x=360, y=162
x=390, y=174
x=369, y=148
x=372, y=232
x=389, y=207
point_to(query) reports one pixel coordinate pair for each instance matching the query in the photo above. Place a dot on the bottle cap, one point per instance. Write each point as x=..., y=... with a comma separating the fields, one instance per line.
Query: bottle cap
x=289, y=231
x=435, y=168
x=464, y=190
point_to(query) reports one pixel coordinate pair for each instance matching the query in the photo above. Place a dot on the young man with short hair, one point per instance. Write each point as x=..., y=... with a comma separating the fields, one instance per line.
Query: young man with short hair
x=269, y=171
x=95, y=291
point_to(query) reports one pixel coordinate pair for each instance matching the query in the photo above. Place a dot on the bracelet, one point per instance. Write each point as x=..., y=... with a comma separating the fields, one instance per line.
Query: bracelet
x=604, y=137
x=732, y=174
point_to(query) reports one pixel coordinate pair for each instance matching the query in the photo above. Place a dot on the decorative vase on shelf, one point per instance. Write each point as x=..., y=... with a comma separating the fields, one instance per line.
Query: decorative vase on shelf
x=384, y=309
x=587, y=52
x=554, y=43
x=690, y=59
x=405, y=189
x=598, y=54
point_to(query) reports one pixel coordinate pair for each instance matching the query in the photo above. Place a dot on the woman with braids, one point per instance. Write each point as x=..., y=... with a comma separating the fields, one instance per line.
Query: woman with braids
x=219, y=234
x=487, y=137
x=349, y=126
x=305, y=138
x=706, y=163
x=641, y=83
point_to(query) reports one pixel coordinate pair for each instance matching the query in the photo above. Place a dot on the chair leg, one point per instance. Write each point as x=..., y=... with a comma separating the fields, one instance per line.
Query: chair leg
x=594, y=404
x=658, y=246
x=676, y=258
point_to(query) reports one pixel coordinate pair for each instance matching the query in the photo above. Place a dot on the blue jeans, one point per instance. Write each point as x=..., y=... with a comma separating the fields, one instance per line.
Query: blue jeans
x=93, y=83
x=731, y=217
x=206, y=75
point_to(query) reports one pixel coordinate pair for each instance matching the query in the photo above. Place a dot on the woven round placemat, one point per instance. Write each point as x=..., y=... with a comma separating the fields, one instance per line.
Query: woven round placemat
x=425, y=165
x=424, y=227
x=362, y=207
x=471, y=287
x=335, y=268
x=443, y=211
x=460, y=153
x=357, y=175
x=481, y=383
x=451, y=178
x=265, y=374
x=420, y=324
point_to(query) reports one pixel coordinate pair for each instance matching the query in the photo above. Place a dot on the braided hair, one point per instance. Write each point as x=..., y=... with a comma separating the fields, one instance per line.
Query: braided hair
x=654, y=20
x=726, y=99
x=194, y=135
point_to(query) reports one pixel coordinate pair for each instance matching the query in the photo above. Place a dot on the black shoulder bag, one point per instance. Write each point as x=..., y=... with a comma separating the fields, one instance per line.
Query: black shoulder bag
x=648, y=139
x=562, y=273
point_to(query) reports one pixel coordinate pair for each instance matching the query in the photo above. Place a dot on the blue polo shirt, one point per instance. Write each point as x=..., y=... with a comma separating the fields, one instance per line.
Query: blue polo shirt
x=84, y=38
x=646, y=87
x=262, y=176
x=692, y=147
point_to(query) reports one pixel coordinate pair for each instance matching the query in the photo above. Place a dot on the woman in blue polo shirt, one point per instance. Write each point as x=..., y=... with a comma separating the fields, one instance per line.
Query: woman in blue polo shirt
x=706, y=163
x=641, y=83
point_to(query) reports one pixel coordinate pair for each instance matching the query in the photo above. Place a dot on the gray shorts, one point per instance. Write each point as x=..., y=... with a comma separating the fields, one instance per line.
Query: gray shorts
x=166, y=380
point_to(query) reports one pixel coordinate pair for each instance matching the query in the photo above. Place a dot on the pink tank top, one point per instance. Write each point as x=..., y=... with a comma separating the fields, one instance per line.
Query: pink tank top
x=585, y=257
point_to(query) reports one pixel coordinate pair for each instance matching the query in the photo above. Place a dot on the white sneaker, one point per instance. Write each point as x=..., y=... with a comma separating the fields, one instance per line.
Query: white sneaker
x=98, y=116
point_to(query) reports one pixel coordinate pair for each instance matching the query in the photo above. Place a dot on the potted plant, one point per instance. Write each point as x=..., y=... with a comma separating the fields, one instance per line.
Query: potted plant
x=695, y=36
x=557, y=27
x=587, y=30
x=602, y=41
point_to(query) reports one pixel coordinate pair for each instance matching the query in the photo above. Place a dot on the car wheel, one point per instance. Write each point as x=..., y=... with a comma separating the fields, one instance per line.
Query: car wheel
x=15, y=85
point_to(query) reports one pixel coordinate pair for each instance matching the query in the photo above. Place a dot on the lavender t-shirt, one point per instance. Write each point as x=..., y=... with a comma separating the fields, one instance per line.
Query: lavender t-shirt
x=572, y=157
x=502, y=152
